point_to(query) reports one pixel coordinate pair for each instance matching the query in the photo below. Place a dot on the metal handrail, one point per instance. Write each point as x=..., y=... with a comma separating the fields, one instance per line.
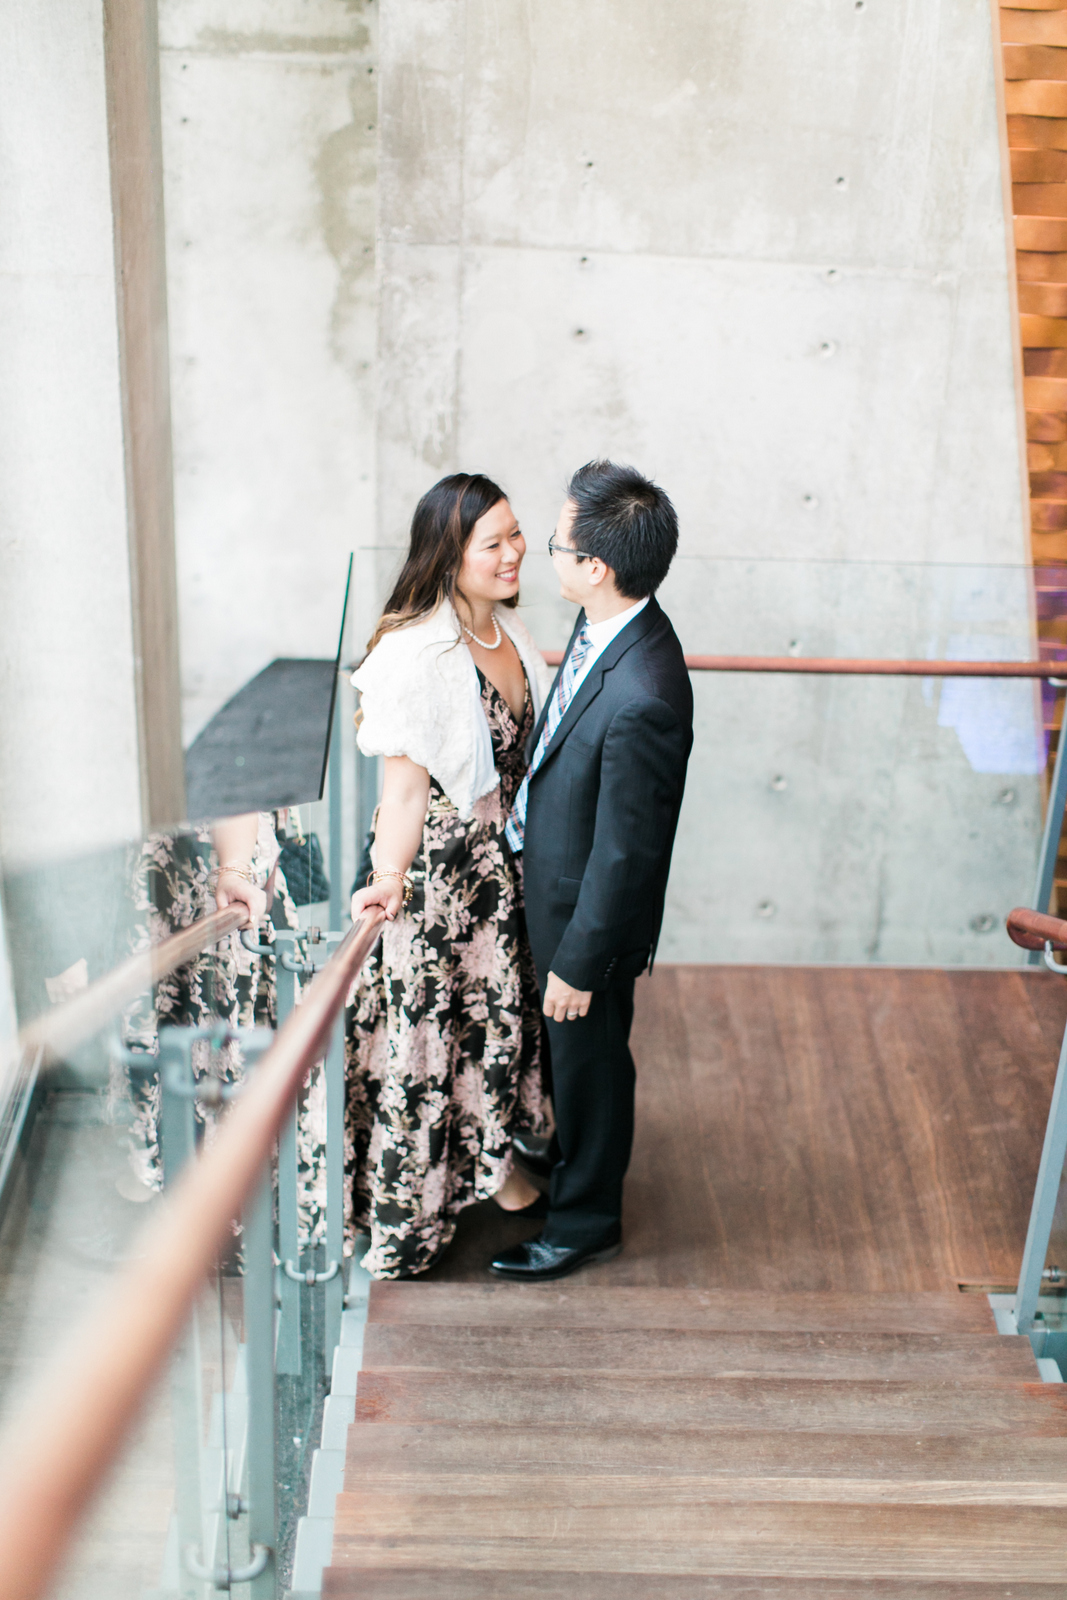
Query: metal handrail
x=56, y=1449
x=70, y=1024
x=859, y=667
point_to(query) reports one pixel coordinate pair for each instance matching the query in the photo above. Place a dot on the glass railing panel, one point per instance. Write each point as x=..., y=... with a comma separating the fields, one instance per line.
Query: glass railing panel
x=68, y=922
x=82, y=1158
x=738, y=606
x=850, y=819
x=220, y=1465
x=68, y=1223
x=867, y=819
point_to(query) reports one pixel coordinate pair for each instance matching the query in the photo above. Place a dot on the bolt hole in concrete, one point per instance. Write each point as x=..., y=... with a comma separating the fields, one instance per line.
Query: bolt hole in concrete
x=984, y=923
x=827, y=349
x=579, y=333
x=766, y=908
x=842, y=183
x=794, y=647
x=811, y=501
x=831, y=274
x=779, y=783
x=1006, y=797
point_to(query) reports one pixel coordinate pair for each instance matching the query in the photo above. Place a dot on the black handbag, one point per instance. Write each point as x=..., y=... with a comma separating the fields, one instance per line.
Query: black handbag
x=305, y=873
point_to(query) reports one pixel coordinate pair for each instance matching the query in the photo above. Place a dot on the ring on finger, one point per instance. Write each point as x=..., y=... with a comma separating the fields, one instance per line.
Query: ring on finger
x=571, y=1015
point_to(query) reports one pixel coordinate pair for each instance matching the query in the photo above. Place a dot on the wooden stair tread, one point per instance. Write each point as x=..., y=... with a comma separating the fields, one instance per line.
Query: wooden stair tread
x=980, y=1548
x=698, y=1351
x=598, y=1399
x=666, y=1489
x=563, y=1305
x=439, y=1449
x=814, y=1523
x=433, y=1583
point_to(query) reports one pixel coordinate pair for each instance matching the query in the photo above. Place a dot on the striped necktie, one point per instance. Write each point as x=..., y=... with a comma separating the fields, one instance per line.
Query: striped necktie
x=561, y=699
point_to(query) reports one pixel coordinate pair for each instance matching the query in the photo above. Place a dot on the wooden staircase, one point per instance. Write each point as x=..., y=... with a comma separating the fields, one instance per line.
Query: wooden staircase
x=607, y=1442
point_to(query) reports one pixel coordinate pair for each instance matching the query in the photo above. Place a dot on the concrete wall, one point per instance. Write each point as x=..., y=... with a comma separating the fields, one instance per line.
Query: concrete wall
x=69, y=769
x=758, y=251
x=761, y=253
x=269, y=134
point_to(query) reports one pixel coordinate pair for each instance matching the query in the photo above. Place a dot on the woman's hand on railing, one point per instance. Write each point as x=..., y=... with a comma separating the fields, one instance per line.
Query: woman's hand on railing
x=1032, y=930
x=387, y=893
x=231, y=889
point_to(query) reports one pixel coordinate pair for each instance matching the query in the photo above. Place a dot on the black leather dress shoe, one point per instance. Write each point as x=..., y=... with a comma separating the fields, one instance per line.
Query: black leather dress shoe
x=532, y=1154
x=537, y=1261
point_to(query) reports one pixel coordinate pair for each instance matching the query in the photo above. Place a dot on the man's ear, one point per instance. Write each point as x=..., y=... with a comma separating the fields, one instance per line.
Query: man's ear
x=597, y=570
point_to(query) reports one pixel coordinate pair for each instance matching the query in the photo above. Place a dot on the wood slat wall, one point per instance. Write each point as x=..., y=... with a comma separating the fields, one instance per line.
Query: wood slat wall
x=1033, y=37
x=1034, y=44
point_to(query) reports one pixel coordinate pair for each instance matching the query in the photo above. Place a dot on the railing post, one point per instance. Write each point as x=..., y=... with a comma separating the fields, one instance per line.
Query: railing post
x=334, y=789
x=1049, y=1174
x=366, y=798
x=335, y=1177
x=177, y=1116
x=177, y=1141
x=288, y=1353
x=259, y=1343
x=1050, y=838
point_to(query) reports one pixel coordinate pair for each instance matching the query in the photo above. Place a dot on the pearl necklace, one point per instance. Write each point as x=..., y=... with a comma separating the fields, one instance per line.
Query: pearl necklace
x=496, y=643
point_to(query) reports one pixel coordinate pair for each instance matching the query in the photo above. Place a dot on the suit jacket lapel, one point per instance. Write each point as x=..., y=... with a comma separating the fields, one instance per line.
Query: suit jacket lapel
x=594, y=680
x=531, y=743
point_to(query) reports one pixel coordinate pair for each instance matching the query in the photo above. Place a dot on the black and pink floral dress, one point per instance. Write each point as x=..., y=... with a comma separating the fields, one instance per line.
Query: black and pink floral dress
x=444, y=1036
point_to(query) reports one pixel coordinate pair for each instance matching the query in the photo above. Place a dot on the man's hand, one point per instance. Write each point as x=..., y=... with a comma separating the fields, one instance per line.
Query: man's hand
x=564, y=1004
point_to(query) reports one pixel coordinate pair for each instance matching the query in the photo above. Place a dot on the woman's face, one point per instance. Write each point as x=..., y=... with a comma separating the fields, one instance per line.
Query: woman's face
x=493, y=556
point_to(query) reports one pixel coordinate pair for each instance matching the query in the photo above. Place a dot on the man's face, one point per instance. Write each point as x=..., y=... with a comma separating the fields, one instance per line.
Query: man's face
x=570, y=570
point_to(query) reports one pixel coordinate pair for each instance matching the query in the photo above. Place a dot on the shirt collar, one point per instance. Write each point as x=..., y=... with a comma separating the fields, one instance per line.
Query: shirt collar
x=602, y=633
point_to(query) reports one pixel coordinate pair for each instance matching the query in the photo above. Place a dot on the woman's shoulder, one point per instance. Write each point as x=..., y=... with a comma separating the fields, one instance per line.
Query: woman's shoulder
x=416, y=693
x=412, y=648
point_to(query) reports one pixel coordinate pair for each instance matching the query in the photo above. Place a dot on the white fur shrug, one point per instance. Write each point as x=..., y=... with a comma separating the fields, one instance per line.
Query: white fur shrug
x=420, y=698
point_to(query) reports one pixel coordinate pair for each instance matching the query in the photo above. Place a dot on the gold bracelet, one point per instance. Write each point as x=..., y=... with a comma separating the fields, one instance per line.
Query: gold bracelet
x=392, y=872
x=238, y=872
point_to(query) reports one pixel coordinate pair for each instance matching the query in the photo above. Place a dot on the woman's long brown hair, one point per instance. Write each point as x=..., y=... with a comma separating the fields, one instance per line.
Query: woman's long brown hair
x=440, y=532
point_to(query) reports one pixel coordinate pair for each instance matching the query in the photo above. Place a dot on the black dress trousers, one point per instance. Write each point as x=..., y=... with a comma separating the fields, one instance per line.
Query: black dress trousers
x=593, y=1092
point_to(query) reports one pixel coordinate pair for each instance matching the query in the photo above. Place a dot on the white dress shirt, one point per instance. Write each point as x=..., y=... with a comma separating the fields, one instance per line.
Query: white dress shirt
x=601, y=634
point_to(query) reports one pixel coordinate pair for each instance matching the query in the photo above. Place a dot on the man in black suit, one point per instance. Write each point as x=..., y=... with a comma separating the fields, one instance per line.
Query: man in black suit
x=595, y=819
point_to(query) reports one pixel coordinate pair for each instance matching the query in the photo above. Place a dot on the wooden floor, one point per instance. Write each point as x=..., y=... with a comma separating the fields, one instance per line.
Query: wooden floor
x=833, y=1128
x=778, y=1392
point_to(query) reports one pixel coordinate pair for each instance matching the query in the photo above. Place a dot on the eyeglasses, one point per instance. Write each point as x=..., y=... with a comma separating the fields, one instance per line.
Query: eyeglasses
x=568, y=550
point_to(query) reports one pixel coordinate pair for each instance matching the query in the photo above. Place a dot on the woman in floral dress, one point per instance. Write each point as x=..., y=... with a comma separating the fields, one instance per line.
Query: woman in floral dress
x=443, y=1061
x=177, y=878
